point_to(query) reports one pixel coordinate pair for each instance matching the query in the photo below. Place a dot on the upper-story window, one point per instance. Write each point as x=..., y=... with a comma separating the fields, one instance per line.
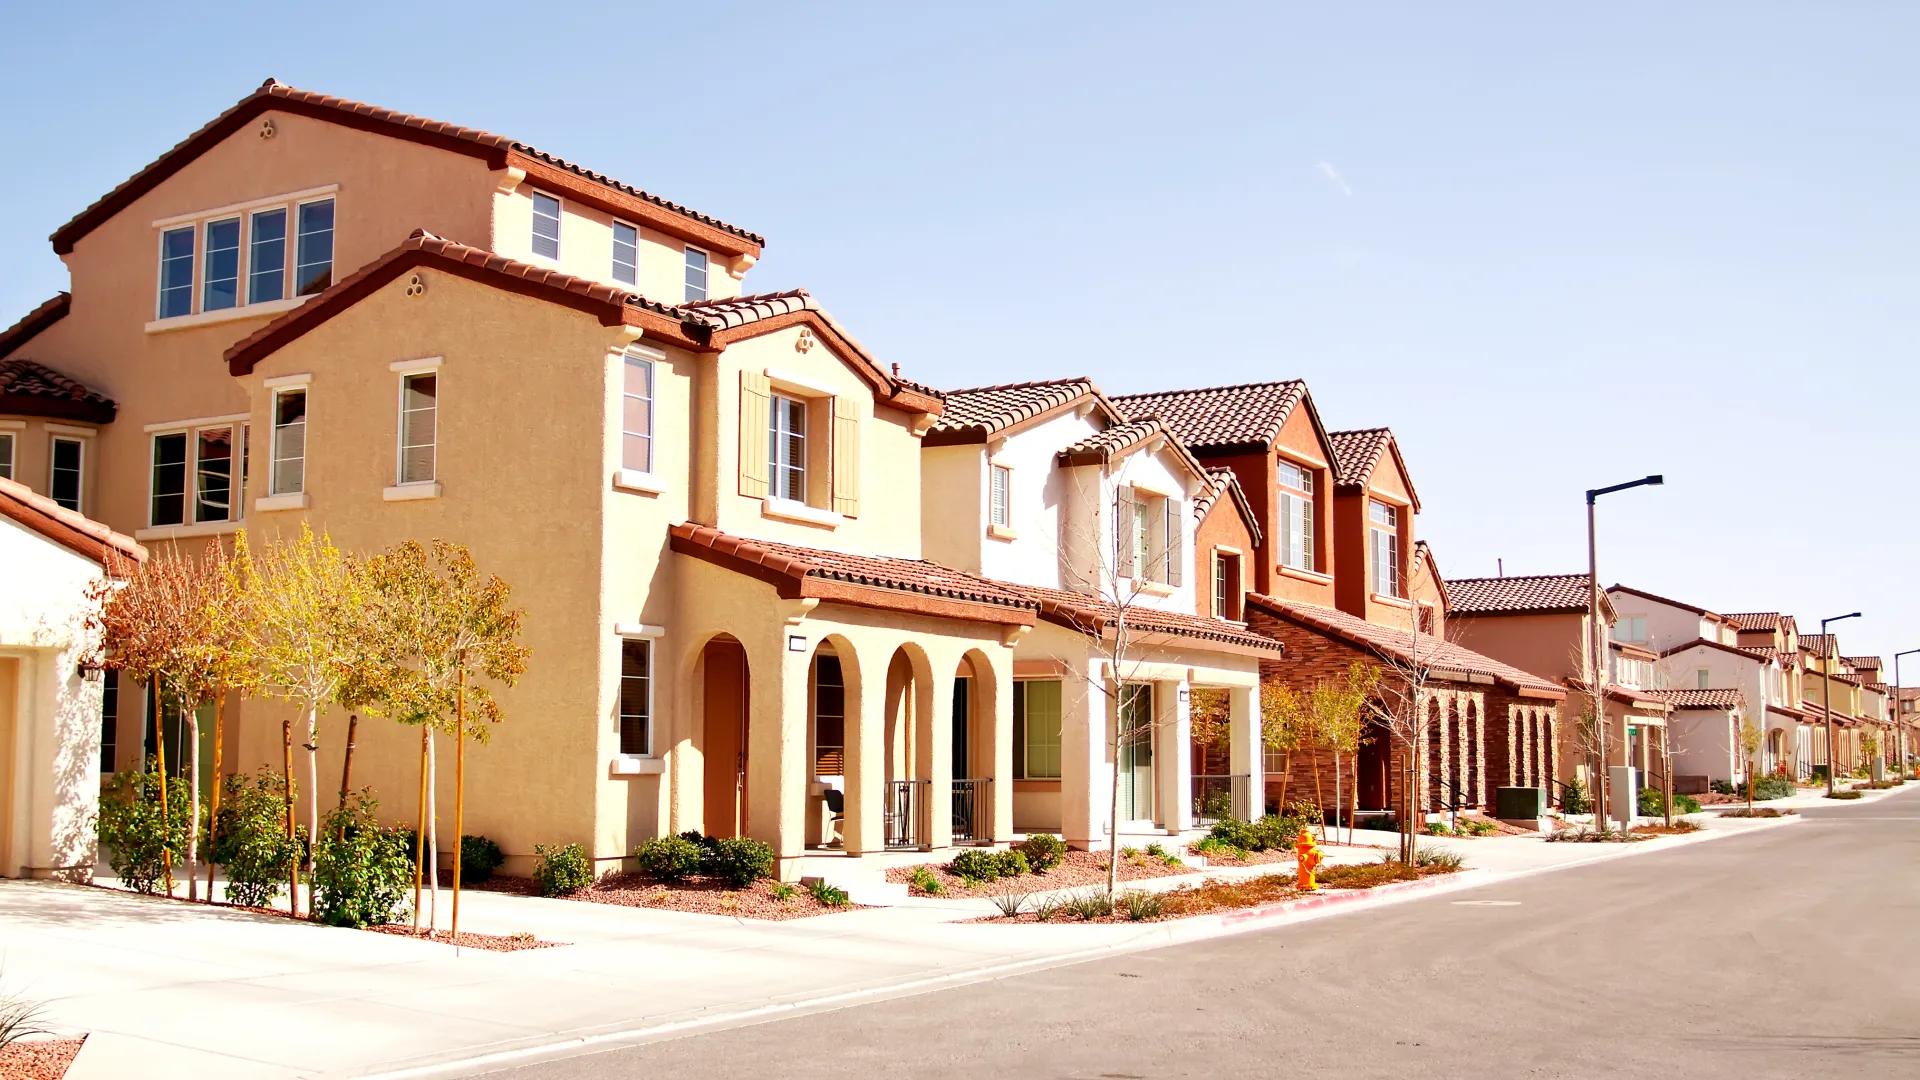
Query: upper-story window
x=289, y=442
x=696, y=274
x=1383, y=548
x=636, y=696
x=1000, y=508
x=419, y=413
x=1632, y=672
x=1703, y=679
x=626, y=253
x=546, y=226
x=6, y=454
x=64, y=472
x=227, y=262
x=636, y=415
x=1296, y=516
x=787, y=441
x=1631, y=629
x=1227, y=591
x=1147, y=536
x=194, y=466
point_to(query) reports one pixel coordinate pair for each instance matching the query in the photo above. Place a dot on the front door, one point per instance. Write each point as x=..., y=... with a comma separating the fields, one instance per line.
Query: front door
x=1373, y=768
x=724, y=741
x=1136, y=752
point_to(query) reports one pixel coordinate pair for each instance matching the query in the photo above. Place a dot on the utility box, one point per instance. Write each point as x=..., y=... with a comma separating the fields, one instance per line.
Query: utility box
x=1623, y=794
x=1519, y=803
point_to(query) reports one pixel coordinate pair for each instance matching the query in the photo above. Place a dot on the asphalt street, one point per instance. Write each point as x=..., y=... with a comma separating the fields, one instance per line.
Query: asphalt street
x=1790, y=952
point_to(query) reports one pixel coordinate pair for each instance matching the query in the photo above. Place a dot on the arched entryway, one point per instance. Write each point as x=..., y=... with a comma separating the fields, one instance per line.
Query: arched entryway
x=972, y=761
x=910, y=751
x=833, y=723
x=725, y=705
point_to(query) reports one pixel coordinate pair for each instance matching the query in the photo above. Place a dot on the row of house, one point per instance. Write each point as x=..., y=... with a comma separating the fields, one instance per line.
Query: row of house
x=772, y=587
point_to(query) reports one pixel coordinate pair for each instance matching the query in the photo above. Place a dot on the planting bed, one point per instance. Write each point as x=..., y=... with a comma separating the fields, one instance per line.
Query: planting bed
x=1679, y=827
x=488, y=942
x=38, y=1059
x=700, y=895
x=1215, y=895
x=1252, y=858
x=1076, y=868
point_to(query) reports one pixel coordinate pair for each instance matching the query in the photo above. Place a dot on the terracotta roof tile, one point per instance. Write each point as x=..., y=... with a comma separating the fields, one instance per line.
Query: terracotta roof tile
x=1754, y=621
x=1512, y=595
x=1110, y=442
x=665, y=204
x=1089, y=614
x=744, y=310
x=1820, y=645
x=1398, y=645
x=1862, y=663
x=1701, y=699
x=984, y=411
x=28, y=388
x=1220, y=418
x=1355, y=453
x=49, y=311
x=73, y=531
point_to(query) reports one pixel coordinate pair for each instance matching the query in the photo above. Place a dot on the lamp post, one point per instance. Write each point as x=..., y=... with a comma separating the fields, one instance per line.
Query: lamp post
x=1598, y=677
x=1899, y=725
x=1826, y=686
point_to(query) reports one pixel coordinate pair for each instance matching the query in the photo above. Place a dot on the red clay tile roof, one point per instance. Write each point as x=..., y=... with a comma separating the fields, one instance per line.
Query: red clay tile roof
x=1122, y=439
x=1862, y=663
x=115, y=552
x=1820, y=645
x=746, y=310
x=1754, y=620
x=1357, y=453
x=979, y=413
x=1532, y=595
x=1219, y=419
x=912, y=585
x=49, y=311
x=1391, y=643
x=497, y=151
x=1701, y=699
x=1226, y=482
x=725, y=321
x=1092, y=615
x=31, y=389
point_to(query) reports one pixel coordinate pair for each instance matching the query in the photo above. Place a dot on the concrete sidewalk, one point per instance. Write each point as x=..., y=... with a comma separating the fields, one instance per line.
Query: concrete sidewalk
x=168, y=988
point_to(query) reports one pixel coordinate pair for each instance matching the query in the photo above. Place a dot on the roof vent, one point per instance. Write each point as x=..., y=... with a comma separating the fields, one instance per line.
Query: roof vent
x=266, y=128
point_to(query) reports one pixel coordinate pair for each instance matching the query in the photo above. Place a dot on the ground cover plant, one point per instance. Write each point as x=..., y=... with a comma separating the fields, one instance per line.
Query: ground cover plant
x=1851, y=794
x=1075, y=869
x=1758, y=812
x=1680, y=826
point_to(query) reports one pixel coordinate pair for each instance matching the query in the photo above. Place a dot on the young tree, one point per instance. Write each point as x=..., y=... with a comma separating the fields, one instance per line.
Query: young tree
x=1337, y=710
x=225, y=665
x=1751, y=738
x=1283, y=727
x=1402, y=702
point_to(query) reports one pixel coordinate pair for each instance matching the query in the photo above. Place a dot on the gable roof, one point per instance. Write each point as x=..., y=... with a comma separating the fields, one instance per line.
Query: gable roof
x=1226, y=419
x=1424, y=551
x=1762, y=655
x=984, y=412
x=1862, y=663
x=496, y=151
x=1821, y=645
x=28, y=388
x=1436, y=654
x=1095, y=615
x=1537, y=594
x=1357, y=453
x=701, y=328
x=1227, y=482
x=48, y=312
x=1754, y=621
x=1119, y=440
x=75, y=532
x=1700, y=699
x=1643, y=594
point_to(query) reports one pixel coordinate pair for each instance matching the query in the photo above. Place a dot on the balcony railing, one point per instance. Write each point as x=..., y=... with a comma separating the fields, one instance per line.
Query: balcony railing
x=972, y=811
x=906, y=814
x=1218, y=796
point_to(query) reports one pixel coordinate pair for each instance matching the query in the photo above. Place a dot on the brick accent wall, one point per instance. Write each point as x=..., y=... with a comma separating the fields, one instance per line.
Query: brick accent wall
x=1522, y=744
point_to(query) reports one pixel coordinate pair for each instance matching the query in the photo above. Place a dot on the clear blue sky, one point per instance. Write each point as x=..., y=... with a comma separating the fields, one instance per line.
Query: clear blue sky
x=1552, y=248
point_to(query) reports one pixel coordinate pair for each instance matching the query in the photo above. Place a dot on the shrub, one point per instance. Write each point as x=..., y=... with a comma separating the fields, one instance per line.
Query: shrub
x=21, y=1018
x=977, y=865
x=1009, y=903
x=479, y=858
x=740, y=860
x=923, y=880
x=1047, y=907
x=1159, y=851
x=1044, y=851
x=1236, y=834
x=1722, y=787
x=1091, y=904
x=563, y=869
x=1773, y=787
x=1366, y=875
x=1757, y=812
x=252, y=841
x=131, y=830
x=1277, y=832
x=1140, y=904
x=781, y=891
x=668, y=858
x=1439, y=828
x=1434, y=859
x=828, y=895
x=1844, y=795
x=1218, y=848
x=1479, y=827
x=1013, y=863
x=1574, y=798
x=361, y=873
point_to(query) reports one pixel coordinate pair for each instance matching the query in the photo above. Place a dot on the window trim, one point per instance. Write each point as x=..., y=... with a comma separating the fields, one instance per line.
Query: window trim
x=186, y=476
x=777, y=488
x=1025, y=772
x=9, y=462
x=192, y=229
x=706, y=271
x=631, y=357
x=54, y=439
x=199, y=220
x=1000, y=504
x=241, y=270
x=613, y=261
x=1308, y=495
x=644, y=641
x=534, y=195
x=402, y=373
x=273, y=437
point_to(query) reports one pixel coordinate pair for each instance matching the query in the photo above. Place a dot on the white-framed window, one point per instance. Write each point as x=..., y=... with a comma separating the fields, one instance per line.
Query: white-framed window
x=636, y=414
x=191, y=467
x=1631, y=672
x=1000, y=496
x=313, y=269
x=1383, y=547
x=213, y=474
x=626, y=253
x=696, y=274
x=1631, y=629
x=419, y=412
x=787, y=442
x=636, y=696
x=546, y=225
x=176, y=272
x=6, y=454
x=1703, y=679
x=1036, y=729
x=1227, y=589
x=267, y=255
x=289, y=441
x=221, y=288
x=1296, y=516
x=65, y=470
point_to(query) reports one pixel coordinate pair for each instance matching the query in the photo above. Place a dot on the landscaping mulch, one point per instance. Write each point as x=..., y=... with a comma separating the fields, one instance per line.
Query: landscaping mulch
x=1680, y=827
x=465, y=940
x=705, y=896
x=1758, y=812
x=1077, y=868
x=1252, y=858
x=38, y=1059
x=1215, y=895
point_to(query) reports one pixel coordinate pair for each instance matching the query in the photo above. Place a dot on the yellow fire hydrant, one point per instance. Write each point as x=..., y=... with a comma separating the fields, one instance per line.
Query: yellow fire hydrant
x=1310, y=860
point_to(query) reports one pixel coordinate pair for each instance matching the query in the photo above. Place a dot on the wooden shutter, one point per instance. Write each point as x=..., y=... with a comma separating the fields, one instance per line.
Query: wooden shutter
x=1176, y=550
x=1123, y=526
x=756, y=412
x=846, y=458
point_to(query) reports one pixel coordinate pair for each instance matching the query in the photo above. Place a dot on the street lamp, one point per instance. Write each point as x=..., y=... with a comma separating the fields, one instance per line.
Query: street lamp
x=1826, y=687
x=1598, y=679
x=1899, y=725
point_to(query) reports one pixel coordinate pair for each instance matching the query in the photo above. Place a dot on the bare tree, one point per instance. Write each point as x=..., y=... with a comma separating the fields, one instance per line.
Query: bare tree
x=1401, y=702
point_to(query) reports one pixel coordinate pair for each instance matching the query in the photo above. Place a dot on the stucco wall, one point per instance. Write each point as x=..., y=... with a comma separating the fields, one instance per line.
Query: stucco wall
x=586, y=247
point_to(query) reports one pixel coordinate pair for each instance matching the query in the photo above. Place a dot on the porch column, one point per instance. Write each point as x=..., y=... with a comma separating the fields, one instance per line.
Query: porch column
x=777, y=752
x=1172, y=756
x=999, y=734
x=1244, y=752
x=866, y=755
x=934, y=752
x=1084, y=762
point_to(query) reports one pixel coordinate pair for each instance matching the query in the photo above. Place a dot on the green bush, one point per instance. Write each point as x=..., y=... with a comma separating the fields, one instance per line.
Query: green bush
x=1439, y=828
x=739, y=860
x=1722, y=787
x=563, y=869
x=1479, y=827
x=1013, y=863
x=977, y=865
x=1212, y=847
x=1089, y=904
x=130, y=826
x=1009, y=904
x=1849, y=794
x=922, y=879
x=252, y=841
x=668, y=858
x=1044, y=851
x=1277, y=832
x=1236, y=834
x=479, y=858
x=1773, y=787
x=1574, y=798
x=829, y=895
x=361, y=872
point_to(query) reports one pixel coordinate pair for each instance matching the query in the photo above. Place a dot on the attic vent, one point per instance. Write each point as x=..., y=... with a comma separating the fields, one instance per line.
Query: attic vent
x=805, y=341
x=416, y=285
x=266, y=128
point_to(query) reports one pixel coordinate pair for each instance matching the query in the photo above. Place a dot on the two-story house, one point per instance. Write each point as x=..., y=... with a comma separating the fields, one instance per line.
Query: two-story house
x=1051, y=490
x=1770, y=635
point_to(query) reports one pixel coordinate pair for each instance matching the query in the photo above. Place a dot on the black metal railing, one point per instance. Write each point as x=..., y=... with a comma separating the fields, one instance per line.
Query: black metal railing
x=906, y=812
x=973, y=811
x=1218, y=796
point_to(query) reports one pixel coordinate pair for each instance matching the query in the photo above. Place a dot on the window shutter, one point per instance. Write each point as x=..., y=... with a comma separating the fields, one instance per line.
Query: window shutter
x=846, y=458
x=756, y=413
x=1123, y=531
x=1176, y=551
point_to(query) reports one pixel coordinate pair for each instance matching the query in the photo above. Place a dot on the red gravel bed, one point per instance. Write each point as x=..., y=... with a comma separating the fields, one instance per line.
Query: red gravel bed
x=1077, y=868
x=1216, y=895
x=705, y=896
x=38, y=1059
x=488, y=942
x=1253, y=858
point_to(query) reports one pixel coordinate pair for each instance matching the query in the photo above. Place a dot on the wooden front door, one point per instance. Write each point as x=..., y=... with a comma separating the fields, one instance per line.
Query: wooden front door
x=725, y=738
x=1375, y=758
